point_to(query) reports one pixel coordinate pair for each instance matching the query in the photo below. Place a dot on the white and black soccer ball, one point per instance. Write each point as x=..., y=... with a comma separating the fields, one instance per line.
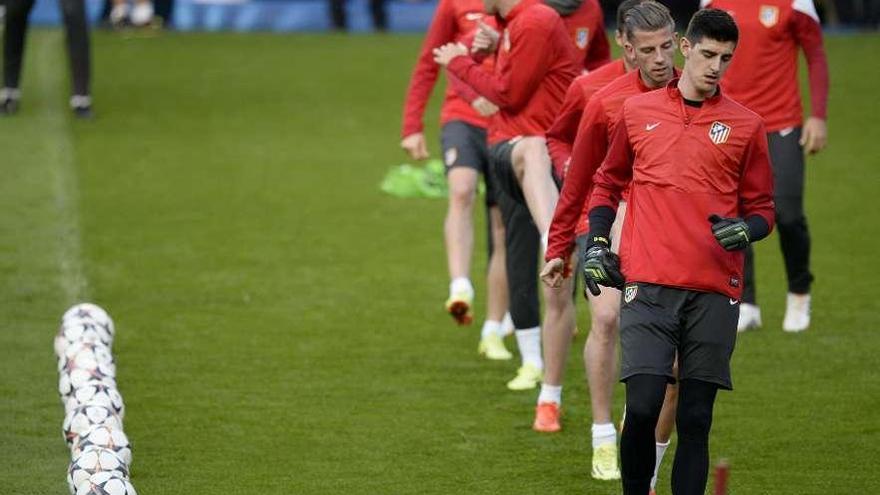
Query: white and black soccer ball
x=105, y=483
x=106, y=437
x=91, y=461
x=80, y=420
x=85, y=330
x=89, y=311
x=70, y=382
x=82, y=351
x=96, y=393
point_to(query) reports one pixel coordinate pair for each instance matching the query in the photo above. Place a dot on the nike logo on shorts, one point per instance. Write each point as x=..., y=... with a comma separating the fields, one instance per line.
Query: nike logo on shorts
x=733, y=302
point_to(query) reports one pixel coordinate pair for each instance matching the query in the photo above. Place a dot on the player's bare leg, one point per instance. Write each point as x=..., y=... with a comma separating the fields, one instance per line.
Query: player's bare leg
x=458, y=231
x=559, y=325
x=492, y=334
x=533, y=169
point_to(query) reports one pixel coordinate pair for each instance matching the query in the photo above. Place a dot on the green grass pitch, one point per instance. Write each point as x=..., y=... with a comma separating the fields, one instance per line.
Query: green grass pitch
x=280, y=324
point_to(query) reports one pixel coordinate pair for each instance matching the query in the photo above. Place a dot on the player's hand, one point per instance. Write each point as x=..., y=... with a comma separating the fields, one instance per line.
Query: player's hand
x=415, y=146
x=486, y=39
x=554, y=272
x=484, y=107
x=444, y=54
x=602, y=267
x=814, y=136
x=732, y=233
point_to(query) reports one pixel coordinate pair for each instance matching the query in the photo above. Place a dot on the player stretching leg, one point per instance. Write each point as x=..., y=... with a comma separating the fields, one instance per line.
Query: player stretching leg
x=764, y=78
x=697, y=166
x=536, y=42
x=464, y=117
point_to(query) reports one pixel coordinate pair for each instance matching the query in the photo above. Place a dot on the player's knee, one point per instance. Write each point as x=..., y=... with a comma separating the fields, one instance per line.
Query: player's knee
x=604, y=320
x=644, y=399
x=462, y=192
x=693, y=419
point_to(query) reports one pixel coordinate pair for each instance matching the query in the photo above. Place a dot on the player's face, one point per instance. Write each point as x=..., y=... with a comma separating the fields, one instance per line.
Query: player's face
x=706, y=62
x=653, y=52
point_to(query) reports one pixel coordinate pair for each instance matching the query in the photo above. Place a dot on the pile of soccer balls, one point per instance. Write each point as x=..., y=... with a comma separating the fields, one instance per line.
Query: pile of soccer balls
x=100, y=452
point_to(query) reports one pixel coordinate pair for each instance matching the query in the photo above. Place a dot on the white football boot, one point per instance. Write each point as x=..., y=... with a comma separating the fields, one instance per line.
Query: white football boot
x=749, y=317
x=797, y=313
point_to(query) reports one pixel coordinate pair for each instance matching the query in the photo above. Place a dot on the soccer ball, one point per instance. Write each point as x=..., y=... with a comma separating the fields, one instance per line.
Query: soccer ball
x=95, y=393
x=84, y=330
x=79, y=420
x=69, y=382
x=98, y=352
x=105, y=483
x=87, y=362
x=104, y=436
x=91, y=461
x=91, y=311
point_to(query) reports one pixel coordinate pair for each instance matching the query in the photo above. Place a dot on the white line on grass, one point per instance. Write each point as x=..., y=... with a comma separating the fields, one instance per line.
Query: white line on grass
x=62, y=166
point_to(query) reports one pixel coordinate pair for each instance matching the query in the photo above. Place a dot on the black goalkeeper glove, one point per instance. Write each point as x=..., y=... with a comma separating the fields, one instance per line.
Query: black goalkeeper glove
x=732, y=233
x=601, y=266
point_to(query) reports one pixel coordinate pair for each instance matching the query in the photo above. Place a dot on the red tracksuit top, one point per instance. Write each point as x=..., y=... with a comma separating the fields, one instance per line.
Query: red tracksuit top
x=533, y=68
x=560, y=136
x=763, y=75
x=454, y=21
x=586, y=29
x=594, y=134
x=682, y=168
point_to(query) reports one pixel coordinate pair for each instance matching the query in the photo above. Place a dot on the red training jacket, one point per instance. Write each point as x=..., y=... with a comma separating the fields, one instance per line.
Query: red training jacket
x=534, y=66
x=681, y=168
x=591, y=144
x=764, y=72
x=586, y=29
x=454, y=21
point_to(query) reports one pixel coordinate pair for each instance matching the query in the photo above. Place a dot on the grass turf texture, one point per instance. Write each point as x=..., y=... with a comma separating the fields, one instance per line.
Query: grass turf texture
x=280, y=324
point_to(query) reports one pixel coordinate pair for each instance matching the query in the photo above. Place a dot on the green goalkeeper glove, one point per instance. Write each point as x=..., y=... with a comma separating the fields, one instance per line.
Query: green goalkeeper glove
x=732, y=233
x=601, y=266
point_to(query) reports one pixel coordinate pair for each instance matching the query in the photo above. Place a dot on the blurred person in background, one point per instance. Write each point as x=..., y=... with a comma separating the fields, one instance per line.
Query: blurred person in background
x=764, y=77
x=378, y=12
x=464, y=118
x=78, y=49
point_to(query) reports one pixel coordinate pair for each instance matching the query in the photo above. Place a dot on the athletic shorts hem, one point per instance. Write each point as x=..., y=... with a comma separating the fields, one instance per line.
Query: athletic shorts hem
x=624, y=376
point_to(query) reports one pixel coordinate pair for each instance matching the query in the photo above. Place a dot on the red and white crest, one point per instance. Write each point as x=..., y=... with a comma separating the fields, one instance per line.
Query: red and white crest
x=719, y=132
x=582, y=38
x=768, y=15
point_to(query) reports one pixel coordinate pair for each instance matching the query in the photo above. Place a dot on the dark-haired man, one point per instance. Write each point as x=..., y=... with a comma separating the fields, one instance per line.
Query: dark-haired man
x=764, y=77
x=701, y=190
x=649, y=33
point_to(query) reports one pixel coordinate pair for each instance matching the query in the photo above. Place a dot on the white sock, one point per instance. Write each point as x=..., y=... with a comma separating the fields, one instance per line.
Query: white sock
x=529, y=342
x=506, y=325
x=604, y=433
x=490, y=327
x=661, y=449
x=461, y=284
x=550, y=393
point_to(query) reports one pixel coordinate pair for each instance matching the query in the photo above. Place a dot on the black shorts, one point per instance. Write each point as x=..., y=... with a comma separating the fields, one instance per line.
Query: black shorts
x=657, y=321
x=501, y=159
x=464, y=145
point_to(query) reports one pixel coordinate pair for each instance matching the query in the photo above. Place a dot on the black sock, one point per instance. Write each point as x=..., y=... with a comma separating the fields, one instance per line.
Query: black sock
x=644, y=398
x=693, y=422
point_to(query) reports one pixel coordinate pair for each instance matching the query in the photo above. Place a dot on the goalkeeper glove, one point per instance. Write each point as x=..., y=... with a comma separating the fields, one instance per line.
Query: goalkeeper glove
x=601, y=266
x=731, y=233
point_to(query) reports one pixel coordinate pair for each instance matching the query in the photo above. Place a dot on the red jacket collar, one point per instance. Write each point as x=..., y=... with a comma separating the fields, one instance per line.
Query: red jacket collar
x=516, y=10
x=637, y=74
x=674, y=93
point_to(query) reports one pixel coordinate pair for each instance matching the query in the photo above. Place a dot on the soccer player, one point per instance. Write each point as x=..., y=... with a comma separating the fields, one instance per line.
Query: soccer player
x=764, y=78
x=535, y=64
x=585, y=23
x=464, y=120
x=700, y=191
x=648, y=31
x=16, y=24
